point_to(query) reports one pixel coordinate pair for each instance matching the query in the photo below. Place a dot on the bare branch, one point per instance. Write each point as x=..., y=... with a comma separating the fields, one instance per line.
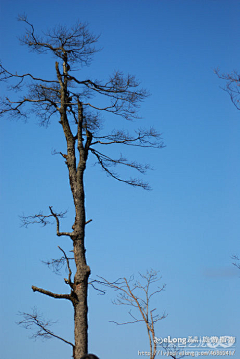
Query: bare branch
x=56, y=264
x=143, y=138
x=232, y=86
x=36, y=219
x=89, y=221
x=6, y=75
x=93, y=284
x=123, y=91
x=67, y=281
x=57, y=216
x=8, y=108
x=106, y=161
x=42, y=219
x=122, y=161
x=43, y=95
x=35, y=320
x=51, y=294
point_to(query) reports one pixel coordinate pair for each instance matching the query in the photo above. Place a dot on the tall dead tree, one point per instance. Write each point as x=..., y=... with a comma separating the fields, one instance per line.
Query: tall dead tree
x=71, y=100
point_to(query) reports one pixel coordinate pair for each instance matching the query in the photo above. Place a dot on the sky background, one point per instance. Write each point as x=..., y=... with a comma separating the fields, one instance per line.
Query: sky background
x=187, y=227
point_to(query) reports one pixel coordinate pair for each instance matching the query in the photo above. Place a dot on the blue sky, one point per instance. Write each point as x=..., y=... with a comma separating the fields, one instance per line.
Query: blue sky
x=187, y=227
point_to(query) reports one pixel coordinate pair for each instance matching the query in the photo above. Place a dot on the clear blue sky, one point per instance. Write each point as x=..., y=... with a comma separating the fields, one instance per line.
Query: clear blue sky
x=187, y=227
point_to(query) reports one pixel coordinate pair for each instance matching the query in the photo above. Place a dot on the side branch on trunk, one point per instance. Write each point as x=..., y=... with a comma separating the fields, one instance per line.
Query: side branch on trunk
x=105, y=162
x=51, y=294
x=144, y=138
x=44, y=220
x=6, y=75
x=69, y=234
x=69, y=280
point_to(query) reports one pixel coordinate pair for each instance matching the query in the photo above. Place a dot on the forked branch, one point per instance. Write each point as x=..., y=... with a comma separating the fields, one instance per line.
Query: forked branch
x=42, y=219
x=39, y=218
x=56, y=216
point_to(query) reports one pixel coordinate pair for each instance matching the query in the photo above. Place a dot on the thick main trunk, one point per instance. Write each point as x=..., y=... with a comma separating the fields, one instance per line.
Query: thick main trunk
x=81, y=325
x=81, y=276
x=80, y=304
x=76, y=172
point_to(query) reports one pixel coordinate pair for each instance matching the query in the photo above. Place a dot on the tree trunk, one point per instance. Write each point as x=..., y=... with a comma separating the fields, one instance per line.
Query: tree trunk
x=76, y=172
x=80, y=302
x=80, y=285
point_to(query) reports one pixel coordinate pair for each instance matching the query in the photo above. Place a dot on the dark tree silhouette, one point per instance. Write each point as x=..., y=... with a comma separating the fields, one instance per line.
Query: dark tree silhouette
x=70, y=99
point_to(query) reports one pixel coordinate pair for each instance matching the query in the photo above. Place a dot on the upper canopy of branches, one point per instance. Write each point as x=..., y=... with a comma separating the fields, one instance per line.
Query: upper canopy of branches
x=75, y=43
x=79, y=102
x=121, y=94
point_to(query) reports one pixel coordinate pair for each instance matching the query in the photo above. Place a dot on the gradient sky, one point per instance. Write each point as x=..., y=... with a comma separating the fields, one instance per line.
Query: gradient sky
x=187, y=227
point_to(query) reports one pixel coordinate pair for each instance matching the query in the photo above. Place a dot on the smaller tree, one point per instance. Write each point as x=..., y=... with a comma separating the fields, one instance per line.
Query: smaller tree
x=232, y=86
x=137, y=295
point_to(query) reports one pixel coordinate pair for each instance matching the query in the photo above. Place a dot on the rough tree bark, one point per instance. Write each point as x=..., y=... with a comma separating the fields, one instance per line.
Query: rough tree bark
x=69, y=98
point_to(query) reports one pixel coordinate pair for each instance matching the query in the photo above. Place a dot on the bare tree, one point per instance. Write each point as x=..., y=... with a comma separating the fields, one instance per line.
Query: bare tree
x=232, y=86
x=71, y=101
x=137, y=294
